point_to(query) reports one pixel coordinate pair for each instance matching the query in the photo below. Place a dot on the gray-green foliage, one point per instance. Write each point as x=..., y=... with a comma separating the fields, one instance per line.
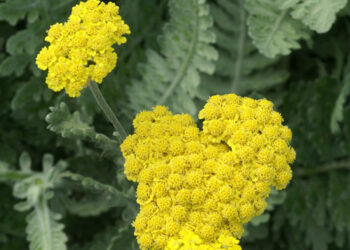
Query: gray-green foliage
x=62, y=122
x=43, y=229
x=338, y=111
x=112, y=196
x=277, y=27
x=172, y=77
x=273, y=30
x=318, y=15
x=239, y=62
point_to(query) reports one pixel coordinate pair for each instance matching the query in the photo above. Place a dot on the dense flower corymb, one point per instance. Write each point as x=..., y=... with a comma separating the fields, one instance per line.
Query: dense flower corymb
x=208, y=182
x=189, y=240
x=82, y=48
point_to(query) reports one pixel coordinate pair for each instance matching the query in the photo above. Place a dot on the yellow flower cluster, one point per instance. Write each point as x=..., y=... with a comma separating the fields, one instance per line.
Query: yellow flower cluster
x=189, y=240
x=212, y=181
x=82, y=48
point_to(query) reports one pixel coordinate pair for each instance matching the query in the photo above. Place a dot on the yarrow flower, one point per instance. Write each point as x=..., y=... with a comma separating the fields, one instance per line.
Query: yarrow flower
x=190, y=240
x=81, y=48
x=206, y=183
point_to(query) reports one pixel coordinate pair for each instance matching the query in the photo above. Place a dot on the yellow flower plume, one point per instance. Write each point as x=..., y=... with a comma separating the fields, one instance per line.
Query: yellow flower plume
x=82, y=48
x=206, y=183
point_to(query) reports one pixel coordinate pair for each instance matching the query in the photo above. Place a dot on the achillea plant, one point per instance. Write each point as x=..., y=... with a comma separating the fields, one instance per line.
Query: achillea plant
x=210, y=182
x=189, y=240
x=81, y=48
x=196, y=188
x=197, y=185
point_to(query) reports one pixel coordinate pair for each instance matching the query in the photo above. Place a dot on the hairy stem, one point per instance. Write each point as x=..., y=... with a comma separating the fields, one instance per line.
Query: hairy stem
x=345, y=164
x=107, y=110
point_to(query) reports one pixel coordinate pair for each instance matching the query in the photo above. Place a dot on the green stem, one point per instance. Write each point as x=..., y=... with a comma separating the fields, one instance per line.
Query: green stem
x=345, y=164
x=107, y=110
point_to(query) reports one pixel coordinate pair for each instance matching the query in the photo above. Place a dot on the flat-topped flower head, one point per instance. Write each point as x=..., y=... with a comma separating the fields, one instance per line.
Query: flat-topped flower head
x=197, y=188
x=81, y=48
x=190, y=240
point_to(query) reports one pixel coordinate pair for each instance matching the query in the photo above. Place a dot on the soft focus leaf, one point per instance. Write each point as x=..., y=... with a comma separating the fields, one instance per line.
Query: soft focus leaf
x=171, y=77
x=318, y=15
x=273, y=30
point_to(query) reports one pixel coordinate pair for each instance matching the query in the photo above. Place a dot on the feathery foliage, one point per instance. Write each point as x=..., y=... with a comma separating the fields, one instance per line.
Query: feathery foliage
x=277, y=27
x=44, y=232
x=43, y=229
x=239, y=61
x=273, y=30
x=116, y=197
x=317, y=15
x=172, y=76
x=337, y=114
x=62, y=122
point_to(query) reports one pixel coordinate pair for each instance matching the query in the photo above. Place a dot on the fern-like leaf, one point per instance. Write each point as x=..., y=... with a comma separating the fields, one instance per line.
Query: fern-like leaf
x=14, y=64
x=318, y=15
x=9, y=175
x=62, y=121
x=89, y=205
x=241, y=66
x=337, y=115
x=43, y=229
x=15, y=10
x=44, y=232
x=116, y=197
x=172, y=76
x=338, y=110
x=273, y=30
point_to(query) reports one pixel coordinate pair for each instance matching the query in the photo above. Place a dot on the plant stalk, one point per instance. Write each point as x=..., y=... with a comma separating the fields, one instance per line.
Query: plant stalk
x=345, y=165
x=107, y=110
